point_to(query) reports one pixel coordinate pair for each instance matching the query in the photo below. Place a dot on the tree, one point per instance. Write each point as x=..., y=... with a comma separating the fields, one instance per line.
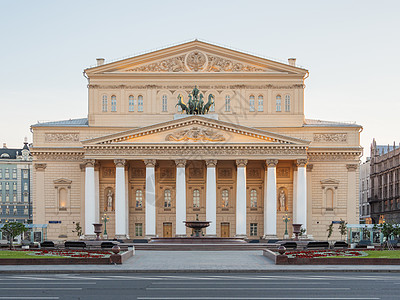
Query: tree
x=78, y=229
x=330, y=230
x=13, y=229
x=388, y=230
x=342, y=228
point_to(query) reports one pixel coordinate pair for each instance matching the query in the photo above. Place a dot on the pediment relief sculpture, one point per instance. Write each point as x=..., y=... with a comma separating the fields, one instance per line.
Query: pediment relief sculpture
x=197, y=61
x=195, y=134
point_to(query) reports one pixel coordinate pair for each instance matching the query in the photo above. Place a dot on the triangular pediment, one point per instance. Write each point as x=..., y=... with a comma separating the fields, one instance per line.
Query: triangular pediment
x=196, y=130
x=195, y=57
x=62, y=181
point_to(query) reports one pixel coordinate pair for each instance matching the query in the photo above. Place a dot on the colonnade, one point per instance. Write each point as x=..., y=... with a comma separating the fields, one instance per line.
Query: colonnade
x=122, y=205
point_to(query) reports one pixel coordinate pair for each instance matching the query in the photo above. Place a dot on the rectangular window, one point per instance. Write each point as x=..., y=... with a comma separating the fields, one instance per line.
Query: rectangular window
x=1, y=186
x=113, y=103
x=26, y=197
x=227, y=103
x=164, y=103
x=7, y=174
x=7, y=197
x=14, y=186
x=278, y=103
x=104, y=103
x=138, y=229
x=14, y=174
x=15, y=197
x=260, y=103
x=25, y=174
x=7, y=186
x=1, y=174
x=140, y=103
x=253, y=229
x=25, y=186
x=131, y=103
x=26, y=211
x=251, y=103
x=287, y=103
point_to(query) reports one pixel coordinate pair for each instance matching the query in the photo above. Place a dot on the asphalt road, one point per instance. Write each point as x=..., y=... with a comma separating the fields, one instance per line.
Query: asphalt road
x=156, y=286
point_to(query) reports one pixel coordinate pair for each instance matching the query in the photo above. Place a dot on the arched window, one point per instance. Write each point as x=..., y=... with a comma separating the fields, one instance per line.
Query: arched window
x=131, y=103
x=113, y=103
x=278, y=103
x=104, y=102
x=251, y=103
x=196, y=198
x=140, y=103
x=260, y=103
x=164, y=103
x=225, y=198
x=139, y=198
x=167, y=198
x=287, y=103
x=329, y=199
x=253, y=198
x=227, y=103
x=62, y=198
x=15, y=197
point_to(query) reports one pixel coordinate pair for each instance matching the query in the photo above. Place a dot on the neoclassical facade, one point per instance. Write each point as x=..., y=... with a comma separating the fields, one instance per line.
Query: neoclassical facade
x=148, y=166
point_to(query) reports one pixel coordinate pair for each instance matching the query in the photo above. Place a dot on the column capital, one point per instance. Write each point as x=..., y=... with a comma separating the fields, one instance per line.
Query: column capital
x=180, y=163
x=90, y=163
x=211, y=163
x=150, y=163
x=271, y=163
x=351, y=167
x=119, y=162
x=310, y=167
x=40, y=167
x=241, y=162
x=302, y=162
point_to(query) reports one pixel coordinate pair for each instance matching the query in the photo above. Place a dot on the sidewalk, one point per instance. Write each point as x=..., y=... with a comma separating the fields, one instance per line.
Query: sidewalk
x=193, y=261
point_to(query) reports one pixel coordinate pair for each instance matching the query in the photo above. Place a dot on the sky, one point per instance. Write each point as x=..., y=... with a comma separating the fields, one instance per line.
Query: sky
x=351, y=49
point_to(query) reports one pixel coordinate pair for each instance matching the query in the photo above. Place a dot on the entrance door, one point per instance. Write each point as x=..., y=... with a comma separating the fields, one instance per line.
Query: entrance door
x=167, y=230
x=225, y=230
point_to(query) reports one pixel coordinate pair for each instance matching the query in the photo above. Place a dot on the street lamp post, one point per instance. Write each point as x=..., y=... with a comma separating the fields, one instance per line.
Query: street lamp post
x=286, y=219
x=105, y=218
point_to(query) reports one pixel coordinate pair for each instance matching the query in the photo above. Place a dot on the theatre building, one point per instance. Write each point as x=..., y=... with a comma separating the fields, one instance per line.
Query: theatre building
x=236, y=151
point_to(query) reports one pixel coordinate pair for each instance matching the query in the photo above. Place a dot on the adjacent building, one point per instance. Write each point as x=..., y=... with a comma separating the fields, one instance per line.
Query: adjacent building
x=365, y=190
x=15, y=184
x=384, y=199
x=245, y=162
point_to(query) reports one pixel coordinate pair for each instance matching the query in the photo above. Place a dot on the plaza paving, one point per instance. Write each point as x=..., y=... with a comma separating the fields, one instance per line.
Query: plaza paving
x=193, y=261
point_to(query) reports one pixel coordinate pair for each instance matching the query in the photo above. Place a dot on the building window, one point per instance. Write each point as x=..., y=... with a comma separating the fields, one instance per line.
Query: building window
x=62, y=199
x=225, y=198
x=14, y=174
x=104, y=103
x=113, y=103
x=7, y=174
x=287, y=103
x=167, y=198
x=253, y=229
x=139, y=198
x=25, y=174
x=26, y=212
x=25, y=186
x=260, y=103
x=227, y=103
x=25, y=197
x=138, y=229
x=15, y=197
x=14, y=186
x=15, y=210
x=278, y=103
x=7, y=210
x=253, y=198
x=140, y=103
x=1, y=174
x=196, y=198
x=131, y=103
x=251, y=103
x=164, y=103
x=7, y=197
x=1, y=186
x=7, y=186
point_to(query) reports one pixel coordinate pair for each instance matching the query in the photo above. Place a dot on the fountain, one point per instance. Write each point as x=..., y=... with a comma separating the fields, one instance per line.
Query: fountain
x=197, y=226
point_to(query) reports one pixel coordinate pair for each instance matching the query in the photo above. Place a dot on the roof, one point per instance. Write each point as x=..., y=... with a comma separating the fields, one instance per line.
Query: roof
x=6, y=153
x=64, y=123
x=321, y=123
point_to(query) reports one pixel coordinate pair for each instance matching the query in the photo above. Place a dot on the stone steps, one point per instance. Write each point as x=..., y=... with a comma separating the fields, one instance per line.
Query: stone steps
x=202, y=247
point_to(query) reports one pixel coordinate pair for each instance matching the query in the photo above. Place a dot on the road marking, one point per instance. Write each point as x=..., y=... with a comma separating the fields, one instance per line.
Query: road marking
x=250, y=298
x=47, y=283
x=28, y=298
x=251, y=288
x=239, y=283
x=41, y=288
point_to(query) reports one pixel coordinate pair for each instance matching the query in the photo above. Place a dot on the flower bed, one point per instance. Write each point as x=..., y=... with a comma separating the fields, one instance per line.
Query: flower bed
x=69, y=253
x=325, y=253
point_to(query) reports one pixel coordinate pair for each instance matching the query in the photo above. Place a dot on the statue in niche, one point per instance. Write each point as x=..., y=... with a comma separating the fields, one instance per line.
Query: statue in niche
x=282, y=200
x=109, y=206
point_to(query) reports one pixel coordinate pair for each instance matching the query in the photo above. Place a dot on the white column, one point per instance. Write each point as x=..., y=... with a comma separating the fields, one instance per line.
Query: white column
x=301, y=205
x=294, y=219
x=180, y=197
x=90, y=201
x=241, y=201
x=120, y=200
x=352, y=189
x=265, y=200
x=97, y=193
x=211, y=198
x=309, y=202
x=150, y=198
x=271, y=199
x=127, y=201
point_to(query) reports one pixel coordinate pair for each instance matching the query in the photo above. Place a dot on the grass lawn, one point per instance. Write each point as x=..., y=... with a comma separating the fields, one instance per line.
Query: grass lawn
x=376, y=254
x=22, y=254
